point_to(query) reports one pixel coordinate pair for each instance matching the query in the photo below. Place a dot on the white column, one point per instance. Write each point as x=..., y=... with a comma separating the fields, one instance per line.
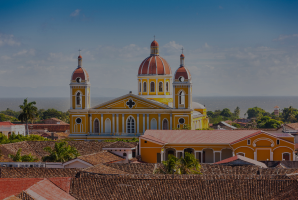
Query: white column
x=213, y=156
x=123, y=123
x=144, y=123
x=170, y=86
x=159, y=122
x=90, y=124
x=255, y=155
x=271, y=155
x=117, y=122
x=147, y=121
x=189, y=96
x=70, y=97
x=164, y=86
x=138, y=123
x=174, y=97
x=101, y=121
x=86, y=98
x=156, y=87
x=171, y=121
x=148, y=86
x=141, y=86
x=113, y=124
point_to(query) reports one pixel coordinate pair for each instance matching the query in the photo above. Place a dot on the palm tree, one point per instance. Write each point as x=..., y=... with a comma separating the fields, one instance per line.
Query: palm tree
x=29, y=112
x=62, y=152
x=24, y=158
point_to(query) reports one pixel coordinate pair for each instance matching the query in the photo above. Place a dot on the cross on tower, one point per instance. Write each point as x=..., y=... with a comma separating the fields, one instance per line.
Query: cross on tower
x=80, y=51
x=130, y=103
x=154, y=37
x=182, y=50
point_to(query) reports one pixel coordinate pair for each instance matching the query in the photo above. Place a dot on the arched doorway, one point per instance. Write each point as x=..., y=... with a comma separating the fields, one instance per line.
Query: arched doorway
x=286, y=156
x=153, y=124
x=170, y=152
x=165, y=124
x=96, y=126
x=108, y=126
x=189, y=150
x=226, y=153
x=208, y=156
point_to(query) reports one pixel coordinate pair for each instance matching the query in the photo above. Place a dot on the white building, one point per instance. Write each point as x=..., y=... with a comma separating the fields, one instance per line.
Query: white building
x=7, y=128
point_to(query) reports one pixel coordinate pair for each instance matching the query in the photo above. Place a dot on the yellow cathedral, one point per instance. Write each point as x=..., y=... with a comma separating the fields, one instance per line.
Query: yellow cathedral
x=164, y=102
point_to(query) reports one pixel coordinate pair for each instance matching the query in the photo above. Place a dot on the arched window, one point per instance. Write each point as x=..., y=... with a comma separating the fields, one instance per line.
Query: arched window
x=160, y=87
x=140, y=85
x=167, y=86
x=153, y=124
x=181, y=98
x=78, y=98
x=130, y=125
x=144, y=87
x=165, y=124
x=285, y=156
x=96, y=126
x=108, y=126
x=152, y=87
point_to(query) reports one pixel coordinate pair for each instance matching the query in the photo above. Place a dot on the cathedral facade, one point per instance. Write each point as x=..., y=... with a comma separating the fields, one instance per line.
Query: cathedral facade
x=164, y=102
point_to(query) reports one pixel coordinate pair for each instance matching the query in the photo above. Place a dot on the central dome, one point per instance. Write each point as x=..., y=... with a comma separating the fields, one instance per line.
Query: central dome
x=154, y=65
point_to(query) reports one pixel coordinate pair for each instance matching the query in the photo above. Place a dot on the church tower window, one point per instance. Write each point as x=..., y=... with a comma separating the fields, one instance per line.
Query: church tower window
x=165, y=124
x=167, y=86
x=145, y=87
x=78, y=98
x=130, y=125
x=160, y=87
x=181, y=98
x=140, y=87
x=96, y=126
x=152, y=87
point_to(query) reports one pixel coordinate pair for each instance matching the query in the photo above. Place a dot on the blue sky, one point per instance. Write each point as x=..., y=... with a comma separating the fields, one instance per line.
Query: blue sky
x=234, y=48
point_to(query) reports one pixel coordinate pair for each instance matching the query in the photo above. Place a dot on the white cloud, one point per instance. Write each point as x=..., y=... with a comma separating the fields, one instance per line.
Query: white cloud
x=75, y=13
x=8, y=40
x=206, y=45
x=284, y=37
x=5, y=57
x=25, y=52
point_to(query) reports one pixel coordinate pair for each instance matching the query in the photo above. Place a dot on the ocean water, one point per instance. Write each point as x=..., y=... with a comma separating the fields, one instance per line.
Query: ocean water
x=211, y=103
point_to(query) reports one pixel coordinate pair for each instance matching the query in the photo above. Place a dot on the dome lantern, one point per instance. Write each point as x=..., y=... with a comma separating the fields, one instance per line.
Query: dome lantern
x=154, y=47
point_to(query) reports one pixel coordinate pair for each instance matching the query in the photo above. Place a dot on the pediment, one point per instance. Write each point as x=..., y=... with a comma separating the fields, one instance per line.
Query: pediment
x=131, y=101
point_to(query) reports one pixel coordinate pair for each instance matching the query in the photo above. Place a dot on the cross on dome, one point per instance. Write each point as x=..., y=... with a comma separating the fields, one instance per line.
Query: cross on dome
x=182, y=50
x=80, y=51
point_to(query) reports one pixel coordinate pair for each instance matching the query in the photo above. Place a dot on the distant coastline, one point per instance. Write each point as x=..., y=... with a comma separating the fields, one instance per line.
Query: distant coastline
x=211, y=102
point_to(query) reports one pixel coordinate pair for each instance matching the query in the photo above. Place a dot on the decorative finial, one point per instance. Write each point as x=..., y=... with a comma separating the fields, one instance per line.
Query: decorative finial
x=182, y=50
x=80, y=51
x=154, y=37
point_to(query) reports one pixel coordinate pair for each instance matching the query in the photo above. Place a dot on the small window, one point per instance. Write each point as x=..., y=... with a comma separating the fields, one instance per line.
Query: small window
x=78, y=120
x=144, y=87
x=140, y=85
x=145, y=141
x=248, y=142
x=78, y=97
x=181, y=120
x=124, y=154
x=178, y=126
x=160, y=87
x=152, y=87
x=167, y=87
x=277, y=142
x=78, y=80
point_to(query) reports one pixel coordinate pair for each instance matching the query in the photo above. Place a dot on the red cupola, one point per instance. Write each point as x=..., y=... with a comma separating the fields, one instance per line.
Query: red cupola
x=80, y=74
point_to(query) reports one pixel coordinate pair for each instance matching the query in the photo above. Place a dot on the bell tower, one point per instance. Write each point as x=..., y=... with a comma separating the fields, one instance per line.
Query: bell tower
x=80, y=87
x=182, y=87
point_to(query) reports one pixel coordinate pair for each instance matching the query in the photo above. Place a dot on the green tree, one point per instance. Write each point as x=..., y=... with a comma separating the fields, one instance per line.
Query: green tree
x=210, y=114
x=255, y=112
x=236, y=125
x=267, y=122
x=289, y=114
x=237, y=111
x=62, y=152
x=11, y=113
x=29, y=112
x=22, y=158
x=226, y=112
x=187, y=165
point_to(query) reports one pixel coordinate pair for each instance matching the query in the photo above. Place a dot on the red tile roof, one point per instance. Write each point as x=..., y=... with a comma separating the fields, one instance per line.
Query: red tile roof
x=101, y=157
x=293, y=126
x=154, y=44
x=245, y=159
x=6, y=123
x=198, y=136
x=45, y=189
x=80, y=72
x=62, y=182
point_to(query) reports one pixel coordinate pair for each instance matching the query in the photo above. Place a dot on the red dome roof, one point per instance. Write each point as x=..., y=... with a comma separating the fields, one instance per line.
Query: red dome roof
x=156, y=65
x=79, y=56
x=182, y=55
x=80, y=72
x=182, y=71
x=154, y=44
